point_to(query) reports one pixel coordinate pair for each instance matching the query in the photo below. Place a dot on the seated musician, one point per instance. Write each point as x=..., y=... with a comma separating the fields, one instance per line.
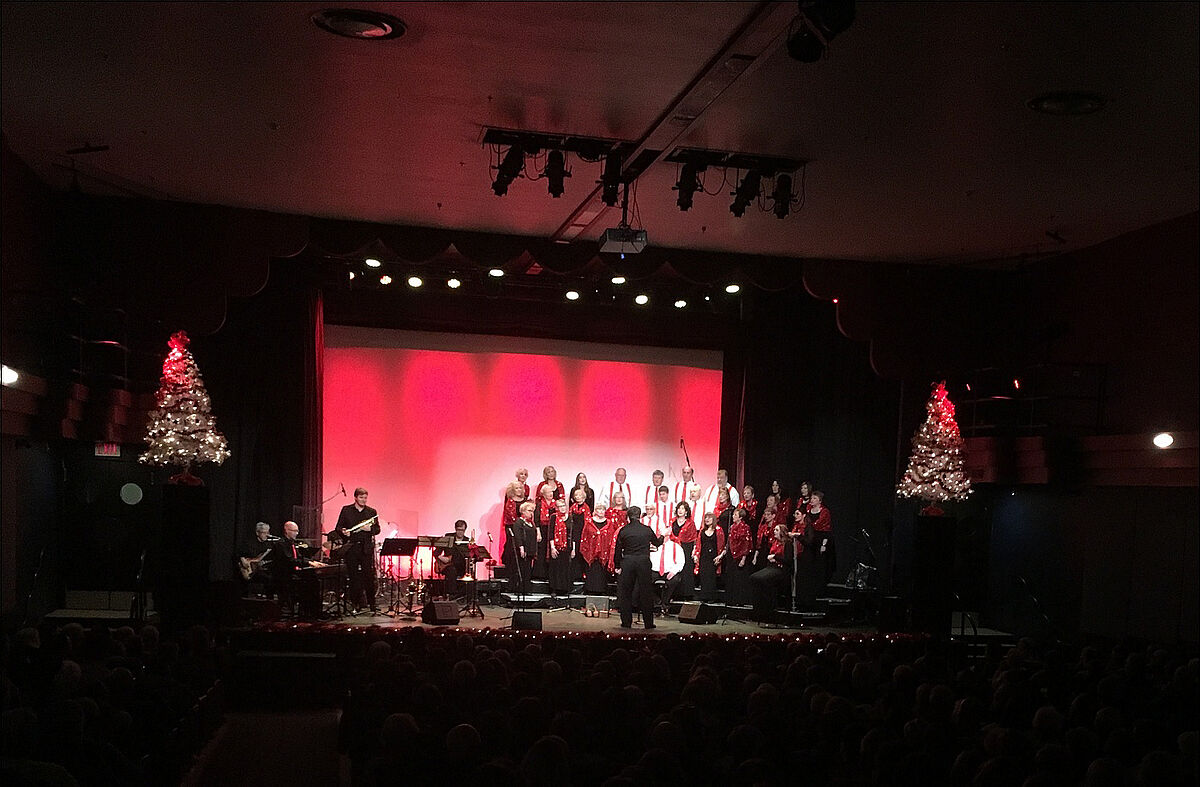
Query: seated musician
x=452, y=560
x=287, y=557
x=254, y=561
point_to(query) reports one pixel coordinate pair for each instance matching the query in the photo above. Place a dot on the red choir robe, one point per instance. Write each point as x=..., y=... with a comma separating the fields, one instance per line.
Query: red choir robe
x=560, y=530
x=591, y=538
x=559, y=490
x=617, y=519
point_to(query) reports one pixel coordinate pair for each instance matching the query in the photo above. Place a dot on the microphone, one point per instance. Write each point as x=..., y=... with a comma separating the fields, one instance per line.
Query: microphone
x=681, y=442
x=343, y=486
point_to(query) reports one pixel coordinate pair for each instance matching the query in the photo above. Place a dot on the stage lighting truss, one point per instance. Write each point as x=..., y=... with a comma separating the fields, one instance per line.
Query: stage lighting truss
x=511, y=149
x=746, y=171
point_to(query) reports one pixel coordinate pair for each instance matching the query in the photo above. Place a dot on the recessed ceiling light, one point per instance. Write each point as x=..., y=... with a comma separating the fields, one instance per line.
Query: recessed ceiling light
x=10, y=376
x=642, y=300
x=679, y=304
x=618, y=279
x=572, y=295
x=732, y=288
x=496, y=272
x=1066, y=102
x=359, y=23
x=1164, y=439
x=351, y=275
x=371, y=262
x=415, y=281
x=453, y=284
x=385, y=279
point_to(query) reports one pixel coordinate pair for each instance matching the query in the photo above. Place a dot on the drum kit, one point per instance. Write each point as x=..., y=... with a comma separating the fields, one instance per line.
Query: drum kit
x=413, y=580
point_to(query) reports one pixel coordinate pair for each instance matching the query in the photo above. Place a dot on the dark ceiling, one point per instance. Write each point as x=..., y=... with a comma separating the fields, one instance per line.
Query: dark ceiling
x=915, y=124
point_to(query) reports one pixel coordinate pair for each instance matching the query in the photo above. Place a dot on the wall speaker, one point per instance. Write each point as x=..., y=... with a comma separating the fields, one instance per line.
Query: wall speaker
x=440, y=613
x=697, y=612
x=530, y=621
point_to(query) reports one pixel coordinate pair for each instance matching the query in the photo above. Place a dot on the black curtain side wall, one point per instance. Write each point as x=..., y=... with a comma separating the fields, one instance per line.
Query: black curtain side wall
x=255, y=369
x=815, y=411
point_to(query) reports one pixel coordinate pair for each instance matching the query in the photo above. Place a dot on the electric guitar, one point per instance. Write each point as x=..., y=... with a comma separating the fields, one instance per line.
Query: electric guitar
x=246, y=565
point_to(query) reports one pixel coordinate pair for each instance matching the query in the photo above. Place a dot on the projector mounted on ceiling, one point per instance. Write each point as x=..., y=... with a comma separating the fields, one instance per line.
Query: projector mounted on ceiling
x=623, y=240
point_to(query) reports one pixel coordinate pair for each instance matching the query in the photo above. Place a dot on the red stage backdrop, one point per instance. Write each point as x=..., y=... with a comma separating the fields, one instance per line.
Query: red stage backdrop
x=435, y=425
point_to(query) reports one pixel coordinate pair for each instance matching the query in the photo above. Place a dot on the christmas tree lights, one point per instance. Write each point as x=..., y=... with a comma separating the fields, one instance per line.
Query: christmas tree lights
x=935, y=469
x=182, y=430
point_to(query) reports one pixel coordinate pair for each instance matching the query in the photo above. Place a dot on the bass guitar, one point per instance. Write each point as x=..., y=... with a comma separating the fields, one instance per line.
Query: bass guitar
x=247, y=565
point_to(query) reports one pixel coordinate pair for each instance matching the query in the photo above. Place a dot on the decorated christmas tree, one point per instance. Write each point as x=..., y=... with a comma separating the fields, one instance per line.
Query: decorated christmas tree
x=935, y=469
x=182, y=430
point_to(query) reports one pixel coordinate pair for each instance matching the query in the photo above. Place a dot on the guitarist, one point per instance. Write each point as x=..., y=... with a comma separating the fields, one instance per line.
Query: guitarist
x=357, y=526
x=452, y=561
x=254, y=560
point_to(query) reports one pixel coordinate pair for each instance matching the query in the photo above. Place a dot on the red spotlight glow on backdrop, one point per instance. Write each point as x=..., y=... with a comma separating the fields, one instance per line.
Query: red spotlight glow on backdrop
x=435, y=425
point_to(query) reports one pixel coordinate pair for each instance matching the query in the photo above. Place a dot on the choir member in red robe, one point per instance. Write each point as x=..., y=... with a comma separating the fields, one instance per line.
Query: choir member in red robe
x=591, y=548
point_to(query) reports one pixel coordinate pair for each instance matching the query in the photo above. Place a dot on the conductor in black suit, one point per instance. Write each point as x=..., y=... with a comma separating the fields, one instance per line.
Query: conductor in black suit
x=632, y=559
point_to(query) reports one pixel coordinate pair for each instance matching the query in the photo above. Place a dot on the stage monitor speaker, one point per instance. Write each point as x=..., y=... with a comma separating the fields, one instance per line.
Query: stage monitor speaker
x=530, y=621
x=440, y=613
x=599, y=603
x=697, y=612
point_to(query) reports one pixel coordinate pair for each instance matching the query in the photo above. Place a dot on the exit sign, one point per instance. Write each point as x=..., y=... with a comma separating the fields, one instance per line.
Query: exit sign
x=108, y=449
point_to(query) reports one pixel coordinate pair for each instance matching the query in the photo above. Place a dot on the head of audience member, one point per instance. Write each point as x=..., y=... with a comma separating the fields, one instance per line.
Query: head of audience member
x=514, y=491
x=526, y=510
x=656, y=478
x=262, y=531
x=689, y=474
x=747, y=492
x=581, y=481
x=290, y=530
x=460, y=529
x=522, y=475
x=617, y=502
x=549, y=473
x=634, y=513
x=620, y=475
x=579, y=496
x=683, y=510
x=710, y=520
x=664, y=494
x=360, y=497
x=599, y=515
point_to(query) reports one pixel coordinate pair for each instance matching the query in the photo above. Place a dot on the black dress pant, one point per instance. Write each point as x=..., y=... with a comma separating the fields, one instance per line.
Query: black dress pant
x=767, y=583
x=360, y=570
x=637, y=575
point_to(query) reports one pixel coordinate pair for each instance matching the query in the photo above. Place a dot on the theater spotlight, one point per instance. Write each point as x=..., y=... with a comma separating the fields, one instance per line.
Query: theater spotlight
x=689, y=181
x=509, y=169
x=453, y=283
x=572, y=295
x=747, y=192
x=371, y=262
x=783, y=195
x=611, y=179
x=818, y=23
x=555, y=171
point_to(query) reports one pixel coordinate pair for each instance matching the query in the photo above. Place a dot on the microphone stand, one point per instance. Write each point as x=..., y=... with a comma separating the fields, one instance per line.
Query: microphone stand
x=686, y=458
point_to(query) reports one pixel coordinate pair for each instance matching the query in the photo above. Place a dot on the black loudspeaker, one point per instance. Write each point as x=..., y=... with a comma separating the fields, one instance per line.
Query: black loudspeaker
x=697, y=612
x=933, y=574
x=893, y=615
x=440, y=613
x=530, y=621
x=182, y=564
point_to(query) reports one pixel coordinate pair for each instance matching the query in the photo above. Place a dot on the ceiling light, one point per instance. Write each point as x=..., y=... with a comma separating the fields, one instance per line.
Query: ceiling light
x=351, y=275
x=453, y=284
x=371, y=262
x=385, y=279
x=554, y=172
x=611, y=179
x=1161, y=440
x=783, y=195
x=496, y=273
x=747, y=192
x=733, y=288
x=642, y=300
x=679, y=304
x=687, y=184
x=572, y=295
x=358, y=23
x=415, y=281
x=8, y=376
x=509, y=169
x=618, y=279
x=1066, y=102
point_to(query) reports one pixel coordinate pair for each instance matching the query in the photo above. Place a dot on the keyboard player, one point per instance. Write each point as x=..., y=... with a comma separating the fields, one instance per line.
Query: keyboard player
x=287, y=560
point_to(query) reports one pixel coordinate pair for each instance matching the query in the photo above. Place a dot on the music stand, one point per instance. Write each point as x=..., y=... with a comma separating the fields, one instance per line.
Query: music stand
x=471, y=608
x=399, y=547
